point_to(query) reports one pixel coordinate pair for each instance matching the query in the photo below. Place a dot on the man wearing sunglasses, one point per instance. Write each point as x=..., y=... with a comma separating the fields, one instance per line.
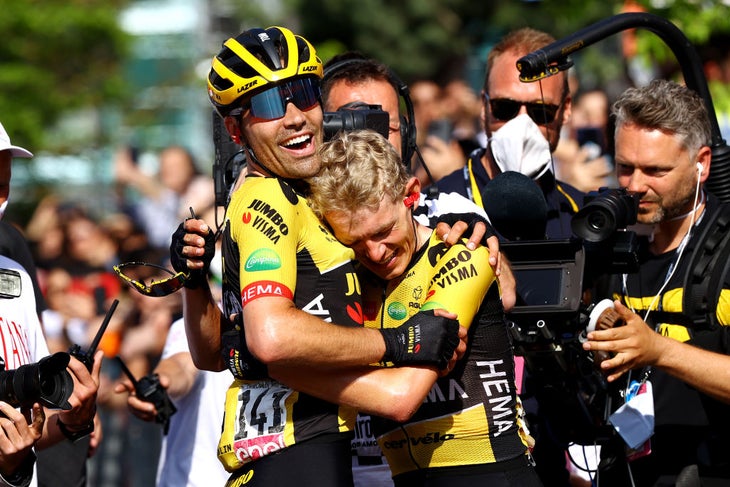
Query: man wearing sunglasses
x=284, y=274
x=525, y=118
x=514, y=112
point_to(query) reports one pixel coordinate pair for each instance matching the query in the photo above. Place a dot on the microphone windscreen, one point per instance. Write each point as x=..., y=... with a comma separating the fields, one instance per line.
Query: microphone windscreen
x=516, y=206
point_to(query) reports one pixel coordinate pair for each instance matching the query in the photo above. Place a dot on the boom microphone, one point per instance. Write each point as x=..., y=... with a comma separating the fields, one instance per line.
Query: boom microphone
x=516, y=206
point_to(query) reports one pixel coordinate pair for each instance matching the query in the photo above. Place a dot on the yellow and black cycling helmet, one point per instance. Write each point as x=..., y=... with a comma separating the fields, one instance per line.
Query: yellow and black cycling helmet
x=257, y=59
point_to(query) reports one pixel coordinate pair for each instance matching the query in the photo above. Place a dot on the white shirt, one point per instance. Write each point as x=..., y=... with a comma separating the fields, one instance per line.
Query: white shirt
x=21, y=336
x=189, y=451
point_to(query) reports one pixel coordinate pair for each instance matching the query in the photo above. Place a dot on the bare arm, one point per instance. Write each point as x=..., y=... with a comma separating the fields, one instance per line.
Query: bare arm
x=394, y=393
x=203, y=324
x=279, y=333
x=203, y=317
x=637, y=345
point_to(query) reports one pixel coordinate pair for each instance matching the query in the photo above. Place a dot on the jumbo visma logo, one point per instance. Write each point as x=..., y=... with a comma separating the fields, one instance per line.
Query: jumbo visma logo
x=242, y=480
x=262, y=260
x=397, y=311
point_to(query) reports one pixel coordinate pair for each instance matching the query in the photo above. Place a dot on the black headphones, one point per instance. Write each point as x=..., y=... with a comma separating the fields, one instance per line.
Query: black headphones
x=407, y=122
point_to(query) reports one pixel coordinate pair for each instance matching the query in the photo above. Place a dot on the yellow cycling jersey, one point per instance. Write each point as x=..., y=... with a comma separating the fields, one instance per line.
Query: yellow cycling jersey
x=276, y=246
x=470, y=416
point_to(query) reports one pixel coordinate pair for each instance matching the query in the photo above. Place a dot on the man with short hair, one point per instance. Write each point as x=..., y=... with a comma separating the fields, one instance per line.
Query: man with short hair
x=526, y=116
x=352, y=79
x=662, y=140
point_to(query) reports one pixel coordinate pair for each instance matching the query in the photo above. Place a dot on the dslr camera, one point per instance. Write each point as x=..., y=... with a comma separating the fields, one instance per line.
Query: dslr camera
x=548, y=324
x=356, y=116
x=46, y=382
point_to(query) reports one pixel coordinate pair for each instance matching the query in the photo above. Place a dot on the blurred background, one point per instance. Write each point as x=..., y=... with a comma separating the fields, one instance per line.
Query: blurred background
x=110, y=96
x=81, y=78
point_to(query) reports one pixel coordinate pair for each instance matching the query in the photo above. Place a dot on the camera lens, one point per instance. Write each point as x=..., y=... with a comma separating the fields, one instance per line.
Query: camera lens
x=597, y=221
x=605, y=213
x=46, y=382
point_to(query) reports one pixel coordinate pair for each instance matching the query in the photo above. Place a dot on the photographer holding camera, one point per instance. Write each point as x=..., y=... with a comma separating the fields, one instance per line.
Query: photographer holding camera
x=31, y=379
x=662, y=139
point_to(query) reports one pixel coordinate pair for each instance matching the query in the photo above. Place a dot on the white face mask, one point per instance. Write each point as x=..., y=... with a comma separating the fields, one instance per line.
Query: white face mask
x=3, y=206
x=520, y=146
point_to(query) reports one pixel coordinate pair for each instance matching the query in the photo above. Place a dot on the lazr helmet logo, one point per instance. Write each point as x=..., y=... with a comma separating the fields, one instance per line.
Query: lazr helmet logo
x=262, y=260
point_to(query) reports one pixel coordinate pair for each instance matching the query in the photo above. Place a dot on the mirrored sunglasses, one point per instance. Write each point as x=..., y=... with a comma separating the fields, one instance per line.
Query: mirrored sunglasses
x=270, y=104
x=505, y=109
x=156, y=288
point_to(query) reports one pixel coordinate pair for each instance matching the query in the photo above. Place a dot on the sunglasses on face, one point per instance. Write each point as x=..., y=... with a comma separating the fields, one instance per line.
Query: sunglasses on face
x=157, y=289
x=270, y=104
x=505, y=109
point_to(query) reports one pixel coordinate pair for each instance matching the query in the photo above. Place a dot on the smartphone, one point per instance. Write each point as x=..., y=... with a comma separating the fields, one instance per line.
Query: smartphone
x=441, y=128
x=591, y=138
x=593, y=135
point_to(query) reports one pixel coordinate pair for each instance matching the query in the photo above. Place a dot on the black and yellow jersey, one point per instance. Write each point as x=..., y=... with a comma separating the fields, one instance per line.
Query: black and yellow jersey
x=469, y=417
x=276, y=246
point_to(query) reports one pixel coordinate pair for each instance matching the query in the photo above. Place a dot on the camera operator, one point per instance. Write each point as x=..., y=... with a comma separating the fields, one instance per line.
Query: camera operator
x=662, y=139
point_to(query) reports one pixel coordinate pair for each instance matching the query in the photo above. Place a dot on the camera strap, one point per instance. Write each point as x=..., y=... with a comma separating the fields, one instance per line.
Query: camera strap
x=709, y=264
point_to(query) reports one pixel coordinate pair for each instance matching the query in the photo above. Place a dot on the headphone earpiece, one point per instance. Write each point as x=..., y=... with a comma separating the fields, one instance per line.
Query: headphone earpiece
x=700, y=168
x=407, y=122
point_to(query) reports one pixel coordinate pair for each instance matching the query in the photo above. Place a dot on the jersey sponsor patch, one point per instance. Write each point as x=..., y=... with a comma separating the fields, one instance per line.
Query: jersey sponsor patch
x=266, y=220
x=262, y=260
x=397, y=311
x=261, y=289
x=454, y=270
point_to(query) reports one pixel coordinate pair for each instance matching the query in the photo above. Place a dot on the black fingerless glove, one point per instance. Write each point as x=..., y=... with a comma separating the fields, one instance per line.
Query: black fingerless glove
x=424, y=339
x=471, y=219
x=197, y=277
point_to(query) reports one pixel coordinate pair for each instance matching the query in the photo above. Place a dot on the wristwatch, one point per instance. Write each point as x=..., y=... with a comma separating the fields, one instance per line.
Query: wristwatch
x=75, y=435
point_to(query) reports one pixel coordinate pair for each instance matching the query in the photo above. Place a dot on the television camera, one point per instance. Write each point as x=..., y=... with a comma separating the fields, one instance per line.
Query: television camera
x=548, y=324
